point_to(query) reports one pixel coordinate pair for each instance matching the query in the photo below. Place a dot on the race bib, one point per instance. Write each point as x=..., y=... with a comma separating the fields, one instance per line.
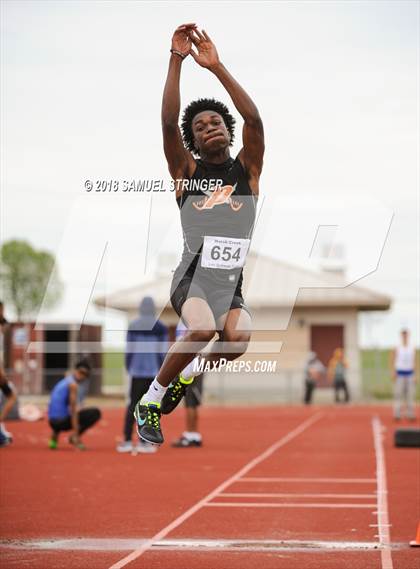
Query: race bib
x=224, y=252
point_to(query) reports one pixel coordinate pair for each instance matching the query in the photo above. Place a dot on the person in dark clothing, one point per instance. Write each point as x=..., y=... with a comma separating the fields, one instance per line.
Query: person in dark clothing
x=142, y=366
x=9, y=393
x=313, y=371
x=63, y=411
x=6, y=388
x=3, y=320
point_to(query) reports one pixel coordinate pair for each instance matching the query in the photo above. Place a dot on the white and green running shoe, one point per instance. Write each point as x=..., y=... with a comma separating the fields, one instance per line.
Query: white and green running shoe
x=175, y=392
x=147, y=416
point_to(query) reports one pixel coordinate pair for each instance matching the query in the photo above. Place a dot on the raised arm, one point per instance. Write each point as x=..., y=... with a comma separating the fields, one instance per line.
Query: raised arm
x=180, y=160
x=252, y=152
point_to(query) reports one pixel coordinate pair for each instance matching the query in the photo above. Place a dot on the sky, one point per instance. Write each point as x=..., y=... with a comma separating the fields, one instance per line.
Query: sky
x=336, y=84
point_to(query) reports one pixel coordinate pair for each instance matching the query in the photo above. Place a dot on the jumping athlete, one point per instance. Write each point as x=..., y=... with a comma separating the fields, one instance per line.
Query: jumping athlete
x=217, y=196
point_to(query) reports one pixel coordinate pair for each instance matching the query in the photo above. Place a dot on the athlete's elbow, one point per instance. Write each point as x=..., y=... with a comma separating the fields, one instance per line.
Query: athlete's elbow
x=254, y=120
x=169, y=123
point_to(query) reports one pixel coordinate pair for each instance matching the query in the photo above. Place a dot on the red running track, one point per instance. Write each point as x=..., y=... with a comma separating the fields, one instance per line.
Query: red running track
x=278, y=488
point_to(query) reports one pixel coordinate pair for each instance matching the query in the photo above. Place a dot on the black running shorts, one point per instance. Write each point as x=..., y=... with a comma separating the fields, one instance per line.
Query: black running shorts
x=194, y=393
x=219, y=300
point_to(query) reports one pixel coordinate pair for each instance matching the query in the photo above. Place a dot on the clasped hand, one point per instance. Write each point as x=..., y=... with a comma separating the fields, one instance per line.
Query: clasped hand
x=186, y=36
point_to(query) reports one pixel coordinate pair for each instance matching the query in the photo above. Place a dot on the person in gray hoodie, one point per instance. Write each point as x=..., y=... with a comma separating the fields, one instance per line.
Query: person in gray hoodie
x=142, y=366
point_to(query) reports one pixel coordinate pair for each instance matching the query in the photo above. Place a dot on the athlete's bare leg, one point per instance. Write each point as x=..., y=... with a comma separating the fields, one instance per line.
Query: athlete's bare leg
x=199, y=318
x=201, y=325
x=236, y=325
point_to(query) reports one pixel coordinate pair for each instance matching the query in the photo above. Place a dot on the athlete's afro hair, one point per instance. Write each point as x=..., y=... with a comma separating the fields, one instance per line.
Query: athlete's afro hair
x=199, y=106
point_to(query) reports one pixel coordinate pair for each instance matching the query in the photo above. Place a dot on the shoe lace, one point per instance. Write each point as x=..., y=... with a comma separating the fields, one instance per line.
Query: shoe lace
x=153, y=418
x=176, y=390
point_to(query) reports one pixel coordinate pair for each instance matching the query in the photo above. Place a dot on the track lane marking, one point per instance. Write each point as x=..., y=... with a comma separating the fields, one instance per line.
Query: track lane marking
x=321, y=480
x=286, y=505
x=196, y=507
x=280, y=495
x=382, y=502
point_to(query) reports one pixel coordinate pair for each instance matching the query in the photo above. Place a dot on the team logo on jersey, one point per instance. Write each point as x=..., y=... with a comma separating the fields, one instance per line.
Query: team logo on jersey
x=219, y=196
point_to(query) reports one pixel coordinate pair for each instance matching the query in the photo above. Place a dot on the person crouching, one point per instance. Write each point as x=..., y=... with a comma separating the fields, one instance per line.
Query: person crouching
x=63, y=411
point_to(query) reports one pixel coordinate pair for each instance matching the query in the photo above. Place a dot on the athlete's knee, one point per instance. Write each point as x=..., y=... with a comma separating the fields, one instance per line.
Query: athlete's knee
x=238, y=341
x=239, y=348
x=200, y=334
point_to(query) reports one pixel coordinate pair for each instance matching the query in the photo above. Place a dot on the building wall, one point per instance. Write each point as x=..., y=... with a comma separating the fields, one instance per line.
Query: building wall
x=287, y=347
x=29, y=369
x=24, y=369
x=286, y=383
x=348, y=318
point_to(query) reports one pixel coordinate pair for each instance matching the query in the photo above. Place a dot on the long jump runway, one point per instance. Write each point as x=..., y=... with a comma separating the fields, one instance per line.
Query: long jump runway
x=277, y=488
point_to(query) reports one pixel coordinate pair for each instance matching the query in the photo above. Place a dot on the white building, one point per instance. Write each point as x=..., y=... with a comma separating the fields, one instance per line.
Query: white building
x=294, y=311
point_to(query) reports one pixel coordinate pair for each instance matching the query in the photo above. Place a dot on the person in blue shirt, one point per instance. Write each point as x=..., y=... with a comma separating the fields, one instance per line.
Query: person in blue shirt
x=142, y=366
x=63, y=408
x=7, y=390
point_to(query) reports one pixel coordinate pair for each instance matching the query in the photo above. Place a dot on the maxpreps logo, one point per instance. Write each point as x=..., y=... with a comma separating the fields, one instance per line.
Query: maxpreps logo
x=219, y=196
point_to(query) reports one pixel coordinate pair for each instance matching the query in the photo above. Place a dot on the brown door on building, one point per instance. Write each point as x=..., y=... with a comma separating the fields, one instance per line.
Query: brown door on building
x=56, y=362
x=325, y=339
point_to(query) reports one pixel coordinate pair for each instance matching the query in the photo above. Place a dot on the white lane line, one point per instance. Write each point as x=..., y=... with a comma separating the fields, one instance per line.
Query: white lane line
x=204, y=545
x=279, y=495
x=285, y=505
x=196, y=507
x=382, y=503
x=321, y=480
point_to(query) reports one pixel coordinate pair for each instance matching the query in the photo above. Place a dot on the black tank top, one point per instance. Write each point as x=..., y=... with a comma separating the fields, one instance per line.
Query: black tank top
x=218, y=203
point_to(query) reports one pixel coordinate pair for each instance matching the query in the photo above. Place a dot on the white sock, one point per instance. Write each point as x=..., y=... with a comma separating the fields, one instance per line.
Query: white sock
x=191, y=370
x=155, y=393
x=192, y=436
